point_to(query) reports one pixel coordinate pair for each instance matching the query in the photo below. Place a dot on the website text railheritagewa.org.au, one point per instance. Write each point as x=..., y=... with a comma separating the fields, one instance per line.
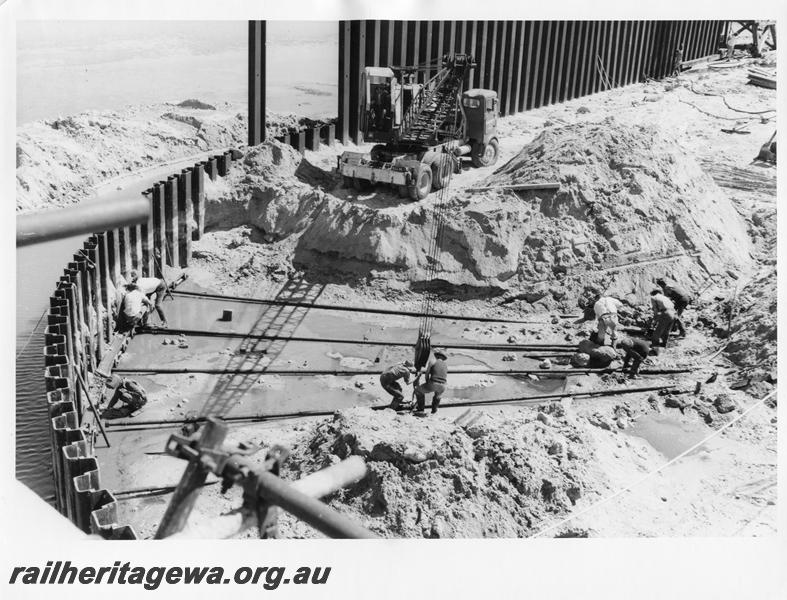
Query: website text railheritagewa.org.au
x=150, y=578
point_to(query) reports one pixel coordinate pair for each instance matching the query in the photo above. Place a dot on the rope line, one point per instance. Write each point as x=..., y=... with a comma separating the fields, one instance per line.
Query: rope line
x=647, y=476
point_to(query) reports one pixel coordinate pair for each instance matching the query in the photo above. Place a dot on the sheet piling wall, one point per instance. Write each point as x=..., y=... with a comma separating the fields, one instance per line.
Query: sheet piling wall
x=528, y=63
x=80, y=325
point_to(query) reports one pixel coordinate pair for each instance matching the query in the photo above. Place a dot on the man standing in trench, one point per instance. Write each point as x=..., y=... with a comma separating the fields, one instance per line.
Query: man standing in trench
x=606, y=309
x=680, y=298
x=436, y=378
x=663, y=317
x=390, y=381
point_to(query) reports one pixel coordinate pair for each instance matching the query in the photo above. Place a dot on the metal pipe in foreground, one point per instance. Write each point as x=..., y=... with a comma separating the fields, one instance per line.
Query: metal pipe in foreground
x=93, y=217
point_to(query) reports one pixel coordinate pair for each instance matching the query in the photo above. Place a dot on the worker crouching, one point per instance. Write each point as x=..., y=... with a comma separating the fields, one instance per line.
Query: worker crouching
x=636, y=351
x=436, y=379
x=389, y=380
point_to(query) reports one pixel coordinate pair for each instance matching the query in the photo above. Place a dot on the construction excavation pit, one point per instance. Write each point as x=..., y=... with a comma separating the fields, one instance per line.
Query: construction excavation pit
x=521, y=281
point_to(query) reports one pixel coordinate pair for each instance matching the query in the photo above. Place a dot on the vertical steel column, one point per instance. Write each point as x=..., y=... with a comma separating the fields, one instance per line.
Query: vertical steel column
x=113, y=238
x=613, y=47
x=429, y=55
x=524, y=29
x=256, y=82
x=505, y=53
x=575, y=83
x=588, y=78
x=412, y=46
x=491, y=64
x=107, y=299
x=198, y=199
x=376, y=26
x=513, y=51
x=543, y=66
x=159, y=228
x=567, y=32
x=554, y=61
x=170, y=256
x=136, y=237
x=532, y=59
x=146, y=230
x=641, y=50
x=404, y=44
x=356, y=79
x=186, y=212
x=345, y=43
x=481, y=54
x=625, y=49
x=94, y=271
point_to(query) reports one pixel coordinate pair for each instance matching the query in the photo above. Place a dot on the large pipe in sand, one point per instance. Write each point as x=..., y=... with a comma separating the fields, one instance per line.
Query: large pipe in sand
x=92, y=217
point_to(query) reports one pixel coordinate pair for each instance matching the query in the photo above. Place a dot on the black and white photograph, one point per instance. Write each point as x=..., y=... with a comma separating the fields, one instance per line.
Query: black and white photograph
x=462, y=282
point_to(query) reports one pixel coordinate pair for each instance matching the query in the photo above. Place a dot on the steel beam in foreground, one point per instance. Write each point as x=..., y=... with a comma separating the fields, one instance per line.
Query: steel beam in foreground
x=79, y=220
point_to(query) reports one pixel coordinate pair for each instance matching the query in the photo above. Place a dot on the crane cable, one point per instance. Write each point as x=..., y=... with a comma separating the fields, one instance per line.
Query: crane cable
x=436, y=241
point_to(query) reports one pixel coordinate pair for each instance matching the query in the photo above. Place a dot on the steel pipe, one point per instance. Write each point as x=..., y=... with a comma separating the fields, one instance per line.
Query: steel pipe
x=93, y=217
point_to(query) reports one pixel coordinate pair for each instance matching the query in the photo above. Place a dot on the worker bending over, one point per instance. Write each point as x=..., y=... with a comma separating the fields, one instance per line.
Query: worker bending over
x=133, y=309
x=636, y=351
x=436, y=378
x=150, y=286
x=606, y=309
x=680, y=298
x=663, y=317
x=390, y=381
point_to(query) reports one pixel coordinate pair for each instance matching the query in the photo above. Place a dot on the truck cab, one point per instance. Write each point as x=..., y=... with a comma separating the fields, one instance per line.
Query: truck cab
x=480, y=109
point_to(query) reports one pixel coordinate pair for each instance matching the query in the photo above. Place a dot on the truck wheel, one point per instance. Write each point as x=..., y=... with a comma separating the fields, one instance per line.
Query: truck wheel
x=485, y=155
x=441, y=171
x=423, y=183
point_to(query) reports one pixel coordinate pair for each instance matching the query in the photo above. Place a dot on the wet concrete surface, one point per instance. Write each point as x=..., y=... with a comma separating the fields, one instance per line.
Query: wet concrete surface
x=136, y=458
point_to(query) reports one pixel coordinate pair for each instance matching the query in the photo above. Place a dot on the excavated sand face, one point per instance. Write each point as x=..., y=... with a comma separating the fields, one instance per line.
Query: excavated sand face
x=626, y=195
x=624, y=191
x=496, y=476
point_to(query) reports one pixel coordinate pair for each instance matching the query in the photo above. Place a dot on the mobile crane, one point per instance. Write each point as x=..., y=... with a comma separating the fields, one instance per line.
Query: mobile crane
x=421, y=130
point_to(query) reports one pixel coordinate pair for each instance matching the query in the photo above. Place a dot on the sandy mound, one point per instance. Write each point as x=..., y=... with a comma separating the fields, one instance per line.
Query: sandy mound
x=626, y=196
x=495, y=477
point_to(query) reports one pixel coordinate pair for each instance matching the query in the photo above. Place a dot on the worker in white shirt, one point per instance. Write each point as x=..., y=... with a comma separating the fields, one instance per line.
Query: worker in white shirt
x=150, y=286
x=663, y=317
x=133, y=308
x=606, y=309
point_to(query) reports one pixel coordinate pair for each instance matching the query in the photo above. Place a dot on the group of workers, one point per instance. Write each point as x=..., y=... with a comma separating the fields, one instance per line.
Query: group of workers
x=435, y=380
x=138, y=302
x=668, y=302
